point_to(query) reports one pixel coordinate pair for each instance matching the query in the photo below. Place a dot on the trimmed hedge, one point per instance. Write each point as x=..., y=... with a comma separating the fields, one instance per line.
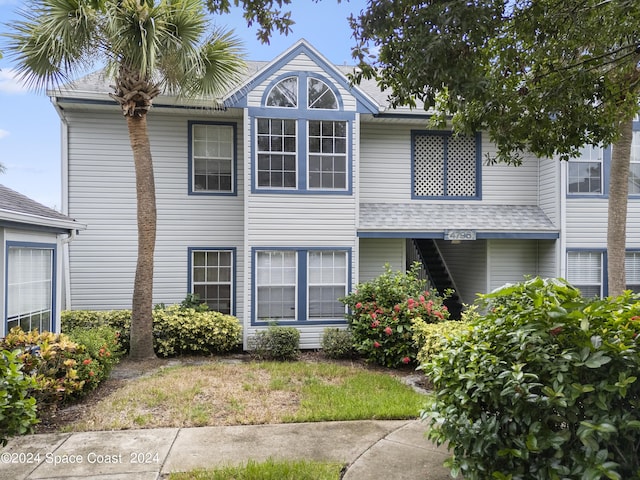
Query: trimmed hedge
x=177, y=329
x=276, y=343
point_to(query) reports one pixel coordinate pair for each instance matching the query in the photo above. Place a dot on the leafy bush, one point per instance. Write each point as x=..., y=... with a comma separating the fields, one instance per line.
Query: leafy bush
x=50, y=359
x=119, y=320
x=192, y=300
x=178, y=330
x=276, y=343
x=543, y=386
x=432, y=338
x=100, y=354
x=338, y=343
x=382, y=312
x=17, y=408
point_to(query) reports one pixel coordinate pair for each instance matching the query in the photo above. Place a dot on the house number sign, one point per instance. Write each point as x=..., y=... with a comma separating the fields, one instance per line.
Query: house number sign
x=459, y=234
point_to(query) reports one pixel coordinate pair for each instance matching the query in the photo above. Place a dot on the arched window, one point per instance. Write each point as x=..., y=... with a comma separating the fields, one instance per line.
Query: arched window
x=284, y=93
x=320, y=95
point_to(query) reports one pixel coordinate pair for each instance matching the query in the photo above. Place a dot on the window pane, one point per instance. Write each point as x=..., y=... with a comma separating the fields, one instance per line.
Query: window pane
x=212, y=278
x=320, y=95
x=213, y=159
x=584, y=271
x=276, y=285
x=30, y=288
x=585, y=177
x=277, y=154
x=284, y=93
x=327, y=274
x=325, y=157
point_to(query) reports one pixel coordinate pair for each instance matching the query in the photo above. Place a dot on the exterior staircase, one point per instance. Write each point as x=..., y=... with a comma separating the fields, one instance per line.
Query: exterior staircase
x=436, y=272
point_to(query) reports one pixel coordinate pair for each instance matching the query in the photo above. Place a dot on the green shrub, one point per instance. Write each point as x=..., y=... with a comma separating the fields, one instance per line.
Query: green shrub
x=178, y=330
x=17, y=408
x=276, y=343
x=337, y=343
x=543, y=386
x=119, y=320
x=382, y=312
x=50, y=359
x=432, y=338
x=100, y=354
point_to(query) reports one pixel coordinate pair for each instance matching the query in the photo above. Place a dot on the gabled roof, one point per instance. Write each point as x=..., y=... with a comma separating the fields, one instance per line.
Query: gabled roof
x=238, y=96
x=415, y=220
x=95, y=87
x=16, y=208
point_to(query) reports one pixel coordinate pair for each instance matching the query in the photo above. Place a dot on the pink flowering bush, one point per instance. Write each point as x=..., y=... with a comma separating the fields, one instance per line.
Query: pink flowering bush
x=382, y=313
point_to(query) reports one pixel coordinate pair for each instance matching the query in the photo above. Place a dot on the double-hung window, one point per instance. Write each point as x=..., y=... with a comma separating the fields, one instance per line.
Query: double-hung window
x=212, y=158
x=30, y=286
x=632, y=270
x=300, y=284
x=302, y=138
x=212, y=278
x=586, y=172
x=585, y=271
x=445, y=166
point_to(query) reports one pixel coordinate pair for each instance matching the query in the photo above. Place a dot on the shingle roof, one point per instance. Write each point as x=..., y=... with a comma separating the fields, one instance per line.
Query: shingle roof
x=17, y=207
x=412, y=217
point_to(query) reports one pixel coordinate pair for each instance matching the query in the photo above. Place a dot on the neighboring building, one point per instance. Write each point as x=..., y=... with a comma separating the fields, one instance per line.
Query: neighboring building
x=32, y=238
x=277, y=205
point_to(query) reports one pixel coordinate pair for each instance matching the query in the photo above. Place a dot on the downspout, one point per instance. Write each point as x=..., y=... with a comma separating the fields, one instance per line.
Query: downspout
x=64, y=177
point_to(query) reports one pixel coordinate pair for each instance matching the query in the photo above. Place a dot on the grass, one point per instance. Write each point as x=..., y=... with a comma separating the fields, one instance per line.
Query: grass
x=268, y=470
x=217, y=393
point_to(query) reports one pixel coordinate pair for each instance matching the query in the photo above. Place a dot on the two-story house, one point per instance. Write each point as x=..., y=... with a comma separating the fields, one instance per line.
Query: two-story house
x=277, y=205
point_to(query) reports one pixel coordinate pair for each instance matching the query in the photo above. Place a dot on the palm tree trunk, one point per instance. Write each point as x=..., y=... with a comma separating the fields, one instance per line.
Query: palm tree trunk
x=142, y=305
x=617, y=222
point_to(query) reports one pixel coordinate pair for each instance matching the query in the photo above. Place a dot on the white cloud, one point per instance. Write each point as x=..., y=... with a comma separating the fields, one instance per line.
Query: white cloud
x=3, y=133
x=9, y=83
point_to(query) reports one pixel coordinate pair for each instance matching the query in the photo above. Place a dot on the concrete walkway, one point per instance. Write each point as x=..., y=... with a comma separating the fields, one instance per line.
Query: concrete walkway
x=385, y=450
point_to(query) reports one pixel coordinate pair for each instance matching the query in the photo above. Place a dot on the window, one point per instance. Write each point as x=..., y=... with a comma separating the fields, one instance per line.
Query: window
x=634, y=167
x=585, y=271
x=320, y=95
x=276, y=293
x=284, y=94
x=327, y=155
x=632, y=271
x=327, y=283
x=585, y=172
x=30, y=273
x=445, y=166
x=212, y=158
x=212, y=274
x=301, y=138
x=300, y=285
x=277, y=153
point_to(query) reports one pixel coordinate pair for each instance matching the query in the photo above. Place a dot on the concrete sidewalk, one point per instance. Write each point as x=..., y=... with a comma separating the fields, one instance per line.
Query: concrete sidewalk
x=386, y=450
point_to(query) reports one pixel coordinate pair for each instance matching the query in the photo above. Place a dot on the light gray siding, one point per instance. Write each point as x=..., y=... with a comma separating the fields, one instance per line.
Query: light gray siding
x=376, y=252
x=549, y=189
x=385, y=169
x=467, y=263
x=510, y=260
x=102, y=195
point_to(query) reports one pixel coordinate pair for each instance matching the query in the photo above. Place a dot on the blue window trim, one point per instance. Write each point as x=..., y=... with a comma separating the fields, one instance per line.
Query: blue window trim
x=233, y=250
x=36, y=245
x=234, y=162
x=478, y=183
x=364, y=104
x=301, y=284
x=606, y=170
x=302, y=114
x=605, y=265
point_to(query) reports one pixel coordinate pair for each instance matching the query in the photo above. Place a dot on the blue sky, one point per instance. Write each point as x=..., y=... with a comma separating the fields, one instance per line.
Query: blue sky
x=30, y=127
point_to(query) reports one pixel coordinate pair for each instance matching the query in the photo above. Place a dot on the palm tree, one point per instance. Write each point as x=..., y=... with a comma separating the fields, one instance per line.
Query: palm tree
x=148, y=47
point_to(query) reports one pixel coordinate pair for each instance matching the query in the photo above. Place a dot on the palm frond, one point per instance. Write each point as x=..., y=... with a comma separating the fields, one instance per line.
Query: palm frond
x=53, y=41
